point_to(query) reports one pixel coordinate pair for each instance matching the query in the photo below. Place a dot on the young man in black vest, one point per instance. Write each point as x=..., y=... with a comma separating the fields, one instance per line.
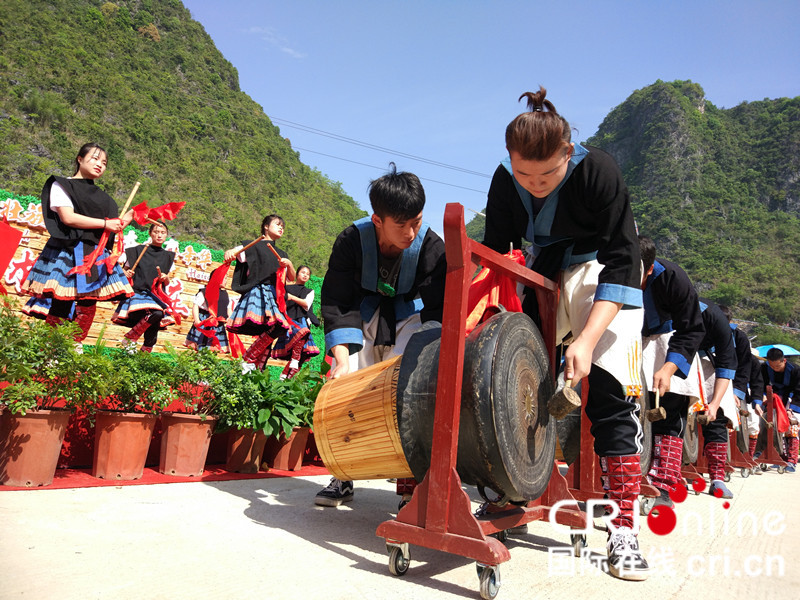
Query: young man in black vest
x=385, y=278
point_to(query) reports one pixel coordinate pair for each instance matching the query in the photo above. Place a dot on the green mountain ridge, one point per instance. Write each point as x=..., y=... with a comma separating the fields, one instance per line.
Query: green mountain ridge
x=144, y=80
x=717, y=189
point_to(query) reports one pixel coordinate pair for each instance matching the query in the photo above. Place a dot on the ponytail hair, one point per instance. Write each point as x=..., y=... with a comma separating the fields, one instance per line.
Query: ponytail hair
x=539, y=133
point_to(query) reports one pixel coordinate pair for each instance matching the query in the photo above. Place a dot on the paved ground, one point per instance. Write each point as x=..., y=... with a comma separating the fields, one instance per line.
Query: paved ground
x=265, y=539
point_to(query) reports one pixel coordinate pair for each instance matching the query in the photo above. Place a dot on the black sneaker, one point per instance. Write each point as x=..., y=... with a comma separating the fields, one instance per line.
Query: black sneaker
x=624, y=559
x=335, y=493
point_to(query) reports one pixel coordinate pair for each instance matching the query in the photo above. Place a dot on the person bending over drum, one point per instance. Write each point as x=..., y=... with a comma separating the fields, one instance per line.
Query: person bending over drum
x=570, y=203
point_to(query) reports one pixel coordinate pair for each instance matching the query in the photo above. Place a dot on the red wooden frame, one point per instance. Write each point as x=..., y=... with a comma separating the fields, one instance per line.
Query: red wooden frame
x=439, y=515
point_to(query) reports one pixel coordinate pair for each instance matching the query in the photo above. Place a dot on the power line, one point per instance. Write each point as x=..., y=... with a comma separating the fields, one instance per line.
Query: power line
x=383, y=169
x=355, y=142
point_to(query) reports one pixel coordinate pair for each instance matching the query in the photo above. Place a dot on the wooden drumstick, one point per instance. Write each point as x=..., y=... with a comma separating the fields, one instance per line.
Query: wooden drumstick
x=564, y=401
x=658, y=413
x=130, y=198
x=136, y=264
x=251, y=244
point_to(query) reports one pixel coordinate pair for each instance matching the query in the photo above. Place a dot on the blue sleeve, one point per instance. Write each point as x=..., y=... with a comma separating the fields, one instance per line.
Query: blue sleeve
x=348, y=335
x=614, y=292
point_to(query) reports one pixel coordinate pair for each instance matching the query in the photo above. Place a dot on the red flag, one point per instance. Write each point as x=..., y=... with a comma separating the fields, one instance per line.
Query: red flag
x=158, y=292
x=781, y=418
x=207, y=326
x=237, y=347
x=166, y=212
x=9, y=242
x=141, y=213
x=490, y=290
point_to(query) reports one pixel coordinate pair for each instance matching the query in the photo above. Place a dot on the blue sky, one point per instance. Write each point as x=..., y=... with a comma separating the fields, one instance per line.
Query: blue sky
x=440, y=80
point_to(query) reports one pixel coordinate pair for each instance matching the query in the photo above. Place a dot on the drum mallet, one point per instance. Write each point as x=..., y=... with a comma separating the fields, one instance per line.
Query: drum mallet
x=658, y=413
x=564, y=401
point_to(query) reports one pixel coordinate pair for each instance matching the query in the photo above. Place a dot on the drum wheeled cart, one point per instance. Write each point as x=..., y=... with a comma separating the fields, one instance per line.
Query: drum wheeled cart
x=771, y=454
x=439, y=515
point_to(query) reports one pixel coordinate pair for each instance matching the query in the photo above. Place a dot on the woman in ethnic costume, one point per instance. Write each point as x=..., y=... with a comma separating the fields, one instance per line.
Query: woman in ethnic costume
x=299, y=300
x=255, y=277
x=76, y=213
x=144, y=311
x=196, y=339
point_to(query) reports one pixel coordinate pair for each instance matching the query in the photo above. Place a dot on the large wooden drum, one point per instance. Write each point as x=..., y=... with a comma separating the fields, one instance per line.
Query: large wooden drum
x=378, y=422
x=355, y=424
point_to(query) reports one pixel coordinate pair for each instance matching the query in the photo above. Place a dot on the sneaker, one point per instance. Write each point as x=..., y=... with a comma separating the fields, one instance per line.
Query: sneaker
x=624, y=559
x=335, y=493
x=719, y=485
x=663, y=499
x=790, y=468
x=756, y=455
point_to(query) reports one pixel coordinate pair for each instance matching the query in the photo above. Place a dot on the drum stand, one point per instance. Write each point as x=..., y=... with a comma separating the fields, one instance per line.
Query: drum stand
x=439, y=515
x=771, y=455
x=740, y=460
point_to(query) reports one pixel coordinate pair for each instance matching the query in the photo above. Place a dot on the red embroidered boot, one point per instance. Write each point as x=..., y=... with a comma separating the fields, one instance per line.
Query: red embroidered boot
x=259, y=347
x=405, y=488
x=792, y=446
x=621, y=478
x=752, y=446
x=665, y=470
x=137, y=330
x=716, y=455
x=53, y=321
x=84, y=317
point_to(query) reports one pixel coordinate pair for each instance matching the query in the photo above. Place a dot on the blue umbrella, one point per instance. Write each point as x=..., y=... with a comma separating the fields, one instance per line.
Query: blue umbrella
x=787, y=350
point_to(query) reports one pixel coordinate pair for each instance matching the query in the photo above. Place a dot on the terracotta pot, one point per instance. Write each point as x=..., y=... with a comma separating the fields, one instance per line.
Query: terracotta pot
x=121, y=442
x=287, y=454
x=184, y=443
x=245, y=447
x=30, y=446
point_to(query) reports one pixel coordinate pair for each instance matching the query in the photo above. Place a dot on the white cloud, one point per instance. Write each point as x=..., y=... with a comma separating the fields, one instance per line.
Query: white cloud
x=275, y=40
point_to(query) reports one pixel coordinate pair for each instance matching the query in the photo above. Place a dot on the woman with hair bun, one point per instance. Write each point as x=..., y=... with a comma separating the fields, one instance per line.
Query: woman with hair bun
x=570, y=203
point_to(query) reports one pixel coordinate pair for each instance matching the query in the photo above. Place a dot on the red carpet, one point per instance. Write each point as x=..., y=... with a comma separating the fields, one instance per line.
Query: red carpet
x=81, y=478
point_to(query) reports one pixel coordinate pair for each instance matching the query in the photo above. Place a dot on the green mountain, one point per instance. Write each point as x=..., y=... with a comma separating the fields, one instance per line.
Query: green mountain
x=717, y=189
x=145, y=81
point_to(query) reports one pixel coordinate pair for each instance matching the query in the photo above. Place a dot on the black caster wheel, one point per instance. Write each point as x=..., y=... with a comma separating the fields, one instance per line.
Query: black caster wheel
x=781, y=470
x=489, y=578
x=399, y=561
x=745, y=473
x=727, y=477
x=578, y=542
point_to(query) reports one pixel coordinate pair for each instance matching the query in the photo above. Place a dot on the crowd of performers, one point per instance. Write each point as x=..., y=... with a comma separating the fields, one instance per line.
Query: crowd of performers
x=627, y=321
x=82, y=263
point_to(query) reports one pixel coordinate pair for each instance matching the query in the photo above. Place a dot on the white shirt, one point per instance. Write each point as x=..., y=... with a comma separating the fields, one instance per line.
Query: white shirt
x=59, y=197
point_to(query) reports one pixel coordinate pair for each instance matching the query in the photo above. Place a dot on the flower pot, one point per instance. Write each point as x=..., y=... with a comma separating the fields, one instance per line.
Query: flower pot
x=245, y=447
x=287, y=454
x=30, y=445
x=184, y=443
x=120, y=444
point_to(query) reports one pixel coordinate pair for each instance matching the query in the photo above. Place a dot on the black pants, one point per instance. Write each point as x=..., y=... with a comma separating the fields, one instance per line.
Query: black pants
x=717, y=430
x=151, y=333
x=614, y=416
x=677, y=409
